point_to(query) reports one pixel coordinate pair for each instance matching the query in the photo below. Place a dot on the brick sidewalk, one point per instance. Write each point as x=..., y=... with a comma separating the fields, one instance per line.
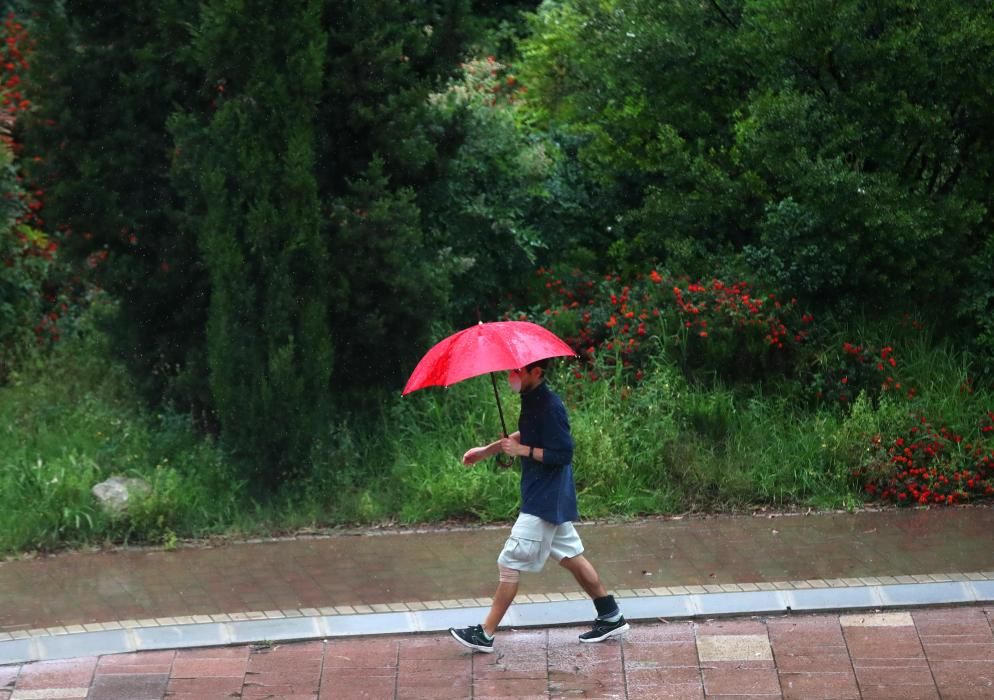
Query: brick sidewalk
x=947, y=653
x=397, y=568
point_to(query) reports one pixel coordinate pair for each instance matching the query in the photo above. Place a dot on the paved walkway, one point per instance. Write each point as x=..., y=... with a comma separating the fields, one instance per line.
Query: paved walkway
x=935, y=653
x=336, y=589
x=376, y=571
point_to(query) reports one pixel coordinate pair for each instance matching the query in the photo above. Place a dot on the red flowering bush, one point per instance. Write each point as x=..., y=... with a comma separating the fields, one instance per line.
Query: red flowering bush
x=731, y=330
x=485, y=81
x=925, y=464
x=14, y=52
x=857, y=369
x=22, y=202
x=34, y=290
x=987, y=425
x=585, y=312
x=710, y=328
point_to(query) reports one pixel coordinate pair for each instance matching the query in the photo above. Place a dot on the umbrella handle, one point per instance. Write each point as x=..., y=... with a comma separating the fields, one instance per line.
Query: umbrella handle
x=502, y=460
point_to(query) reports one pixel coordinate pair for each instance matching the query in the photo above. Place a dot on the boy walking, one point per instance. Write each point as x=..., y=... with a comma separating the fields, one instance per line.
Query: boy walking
x=544, y=527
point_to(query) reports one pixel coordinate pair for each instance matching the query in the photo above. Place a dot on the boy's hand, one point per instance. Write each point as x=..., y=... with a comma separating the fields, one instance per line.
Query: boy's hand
x=511, y=446
x=474, y=455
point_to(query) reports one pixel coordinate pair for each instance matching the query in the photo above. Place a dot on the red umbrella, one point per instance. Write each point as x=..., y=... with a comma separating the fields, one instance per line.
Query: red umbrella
x=485, y=348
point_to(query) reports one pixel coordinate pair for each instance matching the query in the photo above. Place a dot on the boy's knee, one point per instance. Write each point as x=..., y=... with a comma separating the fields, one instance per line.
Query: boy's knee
x=508, y=575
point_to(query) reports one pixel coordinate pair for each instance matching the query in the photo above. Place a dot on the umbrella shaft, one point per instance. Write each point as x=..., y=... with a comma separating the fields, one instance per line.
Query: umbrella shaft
x=500, y=410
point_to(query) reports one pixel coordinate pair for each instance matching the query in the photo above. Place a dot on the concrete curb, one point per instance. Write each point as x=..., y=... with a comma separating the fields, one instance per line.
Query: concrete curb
x=531, y=611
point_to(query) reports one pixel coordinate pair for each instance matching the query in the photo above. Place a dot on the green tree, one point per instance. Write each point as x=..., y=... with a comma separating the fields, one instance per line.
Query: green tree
x=840, y=149
x=377, y=150
x=870, y=138
x=482, y=207
x=650, y=90
x=269, y=344
x=105, y=77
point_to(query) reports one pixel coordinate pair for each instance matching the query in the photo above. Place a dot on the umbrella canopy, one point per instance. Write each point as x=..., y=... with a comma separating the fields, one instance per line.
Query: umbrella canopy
x=483, y=348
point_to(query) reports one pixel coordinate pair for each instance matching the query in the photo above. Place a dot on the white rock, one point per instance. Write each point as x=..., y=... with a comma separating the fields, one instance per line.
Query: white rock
x=114, y=494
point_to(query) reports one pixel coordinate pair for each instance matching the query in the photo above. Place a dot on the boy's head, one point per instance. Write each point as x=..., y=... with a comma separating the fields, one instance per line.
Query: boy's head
x=528, y=377
x=540, y=364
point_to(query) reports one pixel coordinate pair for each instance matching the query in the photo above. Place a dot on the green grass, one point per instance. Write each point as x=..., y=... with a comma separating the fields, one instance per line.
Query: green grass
x=73, y=421
x=661, y=446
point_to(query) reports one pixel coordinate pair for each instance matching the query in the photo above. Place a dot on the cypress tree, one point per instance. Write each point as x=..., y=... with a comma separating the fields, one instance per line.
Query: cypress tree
x=269, y=345
x=378, y=150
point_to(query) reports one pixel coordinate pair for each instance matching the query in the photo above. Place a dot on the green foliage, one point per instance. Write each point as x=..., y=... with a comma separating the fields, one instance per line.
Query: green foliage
x=816, y=140
x=268, y=340
x=976, y=308
x=39, y=302
x=105, y=80
x=381, y=266
x=430, y=481
x=650, y=88
x=383, y=59
x=22, y=271
x=377, y=152
x=481, y=208
x=496, y=27
x=76, y=420
x=624, y=439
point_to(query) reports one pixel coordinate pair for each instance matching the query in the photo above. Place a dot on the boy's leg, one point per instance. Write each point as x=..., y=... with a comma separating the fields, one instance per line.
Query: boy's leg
x=506, y=590
x=481, y=637
x=609, y=622
x=585, y=574
x=525, y=550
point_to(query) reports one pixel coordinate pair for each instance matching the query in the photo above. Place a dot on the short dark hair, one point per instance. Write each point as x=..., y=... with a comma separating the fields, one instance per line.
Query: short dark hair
x=544, y=364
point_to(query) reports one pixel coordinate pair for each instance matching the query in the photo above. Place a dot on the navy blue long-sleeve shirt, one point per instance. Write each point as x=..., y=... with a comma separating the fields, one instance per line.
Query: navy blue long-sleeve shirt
x=547, y=487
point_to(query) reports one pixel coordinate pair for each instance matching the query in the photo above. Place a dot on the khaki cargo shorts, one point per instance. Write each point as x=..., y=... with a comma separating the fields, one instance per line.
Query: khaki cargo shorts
x=533, y=540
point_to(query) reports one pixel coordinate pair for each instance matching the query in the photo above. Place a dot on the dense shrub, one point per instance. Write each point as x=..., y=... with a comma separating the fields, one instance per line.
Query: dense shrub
x=856, y=370
x=810, y=140
x=41, y=297
x=481, y=210
x=37, y=294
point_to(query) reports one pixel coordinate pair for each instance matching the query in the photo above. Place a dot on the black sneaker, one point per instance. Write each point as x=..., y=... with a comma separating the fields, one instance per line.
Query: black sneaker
x=605, y=630
x=473, y=638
